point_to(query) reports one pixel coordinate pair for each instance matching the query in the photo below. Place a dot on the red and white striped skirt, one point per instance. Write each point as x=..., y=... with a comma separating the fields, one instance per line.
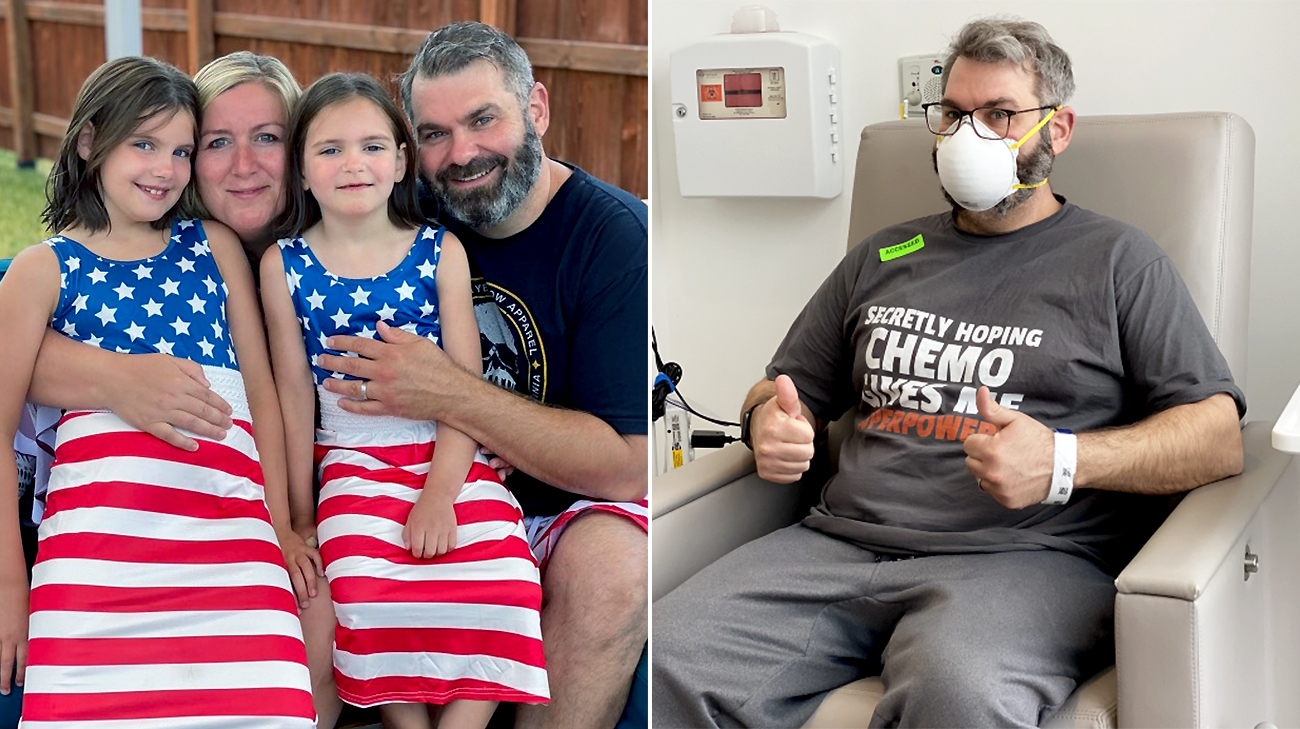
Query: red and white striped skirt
x=464, y=625
x=159, y=596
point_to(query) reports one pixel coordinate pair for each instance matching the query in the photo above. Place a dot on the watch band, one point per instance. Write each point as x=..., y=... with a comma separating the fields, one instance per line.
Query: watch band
x=746, y=436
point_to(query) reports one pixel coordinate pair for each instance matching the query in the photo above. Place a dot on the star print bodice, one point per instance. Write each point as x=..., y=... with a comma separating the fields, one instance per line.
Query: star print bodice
x=173, y=303
x=326, y=304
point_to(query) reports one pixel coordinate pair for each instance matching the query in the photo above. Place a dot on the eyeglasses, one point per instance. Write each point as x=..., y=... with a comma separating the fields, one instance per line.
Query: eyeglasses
x=944, y=119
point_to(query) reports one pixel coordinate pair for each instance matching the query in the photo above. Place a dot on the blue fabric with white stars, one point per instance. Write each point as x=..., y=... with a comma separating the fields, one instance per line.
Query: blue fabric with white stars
x=173, y=303
x=405, y=297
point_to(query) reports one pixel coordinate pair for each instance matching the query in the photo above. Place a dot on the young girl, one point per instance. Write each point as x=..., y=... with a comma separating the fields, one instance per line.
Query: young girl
x=159, y=597
x=436, y=591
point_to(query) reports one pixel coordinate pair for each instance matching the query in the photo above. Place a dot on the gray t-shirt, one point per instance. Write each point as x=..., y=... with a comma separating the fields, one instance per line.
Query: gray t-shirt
x=1079, y=321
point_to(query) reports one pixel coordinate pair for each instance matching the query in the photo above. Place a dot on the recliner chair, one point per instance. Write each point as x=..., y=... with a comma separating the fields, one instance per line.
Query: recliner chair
x=1208, y=613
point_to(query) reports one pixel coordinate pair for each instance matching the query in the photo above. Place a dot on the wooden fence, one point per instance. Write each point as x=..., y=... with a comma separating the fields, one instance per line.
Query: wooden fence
x=590, y=54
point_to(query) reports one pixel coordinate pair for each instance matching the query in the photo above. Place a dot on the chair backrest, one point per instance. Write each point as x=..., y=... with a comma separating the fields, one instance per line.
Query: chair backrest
x=1187, y=180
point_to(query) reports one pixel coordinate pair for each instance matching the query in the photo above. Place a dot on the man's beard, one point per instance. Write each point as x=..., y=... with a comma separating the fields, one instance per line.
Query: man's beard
x=1033, y=165
x=488, y=205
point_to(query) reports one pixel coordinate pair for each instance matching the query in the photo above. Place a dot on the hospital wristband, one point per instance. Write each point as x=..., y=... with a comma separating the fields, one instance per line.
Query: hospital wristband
x=1065, y=459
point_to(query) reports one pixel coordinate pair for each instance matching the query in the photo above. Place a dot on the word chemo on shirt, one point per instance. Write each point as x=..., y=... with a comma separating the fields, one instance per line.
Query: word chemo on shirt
x=913, y=357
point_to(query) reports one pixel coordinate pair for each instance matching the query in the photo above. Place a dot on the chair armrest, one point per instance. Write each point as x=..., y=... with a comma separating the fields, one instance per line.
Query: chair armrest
x=1286, y=432
x=1182, y=556
x=1200, y=641
x=681, y=486
x=709, y=507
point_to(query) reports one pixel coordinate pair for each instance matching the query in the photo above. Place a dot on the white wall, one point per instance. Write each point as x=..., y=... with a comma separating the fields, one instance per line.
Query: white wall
x=724, y=297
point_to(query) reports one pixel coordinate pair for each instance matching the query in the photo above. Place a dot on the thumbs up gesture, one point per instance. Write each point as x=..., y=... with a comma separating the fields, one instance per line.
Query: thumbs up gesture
x=1013, y=465
x=781, y=435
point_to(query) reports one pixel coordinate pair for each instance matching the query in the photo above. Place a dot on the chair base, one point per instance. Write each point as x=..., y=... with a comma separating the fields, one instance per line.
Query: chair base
x=1092, y=706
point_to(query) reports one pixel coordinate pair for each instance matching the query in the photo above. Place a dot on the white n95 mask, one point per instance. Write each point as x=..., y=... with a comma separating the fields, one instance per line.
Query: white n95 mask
x=979, y=173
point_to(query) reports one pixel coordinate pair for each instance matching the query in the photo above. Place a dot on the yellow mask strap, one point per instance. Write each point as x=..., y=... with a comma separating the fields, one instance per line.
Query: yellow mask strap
x=1038, y=126
x=1019, y=186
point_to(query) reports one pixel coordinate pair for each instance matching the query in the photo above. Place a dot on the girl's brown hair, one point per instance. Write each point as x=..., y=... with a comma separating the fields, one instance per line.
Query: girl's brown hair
x=301, y=211
x=113, y=102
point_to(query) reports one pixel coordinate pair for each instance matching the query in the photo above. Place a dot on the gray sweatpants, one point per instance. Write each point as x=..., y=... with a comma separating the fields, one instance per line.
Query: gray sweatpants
x=990, y=640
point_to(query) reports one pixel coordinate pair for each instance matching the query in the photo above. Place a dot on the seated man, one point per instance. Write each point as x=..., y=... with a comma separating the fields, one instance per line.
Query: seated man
x=560, y=261
x=964, y=550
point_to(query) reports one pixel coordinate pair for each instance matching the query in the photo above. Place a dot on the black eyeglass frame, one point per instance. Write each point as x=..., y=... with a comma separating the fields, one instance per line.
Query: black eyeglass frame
x=952, y=128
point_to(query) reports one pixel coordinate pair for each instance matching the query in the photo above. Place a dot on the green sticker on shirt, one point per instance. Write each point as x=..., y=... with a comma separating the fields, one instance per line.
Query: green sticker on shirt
x=902, y=249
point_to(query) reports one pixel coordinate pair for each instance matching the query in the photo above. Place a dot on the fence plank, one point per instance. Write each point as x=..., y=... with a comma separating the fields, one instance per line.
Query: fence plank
x=498, y=14
x=615, y=58
x=20, y=81
x=202, y=35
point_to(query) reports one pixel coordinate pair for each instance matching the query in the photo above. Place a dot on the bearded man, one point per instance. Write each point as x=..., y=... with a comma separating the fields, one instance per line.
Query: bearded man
x=1031, y=383
x=560, y=264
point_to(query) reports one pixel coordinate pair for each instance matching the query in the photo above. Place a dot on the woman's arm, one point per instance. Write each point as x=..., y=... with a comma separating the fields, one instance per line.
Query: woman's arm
x=155, y=393
x=28, y=297
x=433, y=517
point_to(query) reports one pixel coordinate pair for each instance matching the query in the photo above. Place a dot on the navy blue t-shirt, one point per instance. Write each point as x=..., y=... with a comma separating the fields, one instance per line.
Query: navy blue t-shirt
x=562, y=308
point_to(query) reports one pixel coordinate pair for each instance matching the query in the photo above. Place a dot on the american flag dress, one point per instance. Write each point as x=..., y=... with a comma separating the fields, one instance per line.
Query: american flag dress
x=464, y=625
x=159, y=596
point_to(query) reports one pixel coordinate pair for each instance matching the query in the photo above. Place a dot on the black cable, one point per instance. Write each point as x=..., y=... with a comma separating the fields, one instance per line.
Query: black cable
x=686, y=406
x=673, y=372
x=711, y=439
x=654, y=347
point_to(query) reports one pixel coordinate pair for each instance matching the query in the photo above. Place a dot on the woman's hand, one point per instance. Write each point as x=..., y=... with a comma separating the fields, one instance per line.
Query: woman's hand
x=303, y=561
x=160, y=394
x=431, y=527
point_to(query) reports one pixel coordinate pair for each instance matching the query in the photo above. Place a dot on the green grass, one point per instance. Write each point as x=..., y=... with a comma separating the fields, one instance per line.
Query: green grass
x=22, y=198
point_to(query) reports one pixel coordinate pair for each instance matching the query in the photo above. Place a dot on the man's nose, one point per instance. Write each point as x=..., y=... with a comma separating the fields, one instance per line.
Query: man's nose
x=463, y=149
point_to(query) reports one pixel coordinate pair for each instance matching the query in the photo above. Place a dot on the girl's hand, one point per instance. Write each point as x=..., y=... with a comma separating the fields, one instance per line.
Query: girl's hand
x=503, y=467
x=13, y=632
x=431, y=527
x=304, y=563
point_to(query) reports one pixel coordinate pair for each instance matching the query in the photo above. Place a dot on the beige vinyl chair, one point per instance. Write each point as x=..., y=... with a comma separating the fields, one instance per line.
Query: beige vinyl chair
x=1201, y=639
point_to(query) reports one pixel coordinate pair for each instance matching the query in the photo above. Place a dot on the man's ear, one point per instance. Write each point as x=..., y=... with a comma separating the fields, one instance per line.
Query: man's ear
x=403, y=159
x=1062, y=128
x=85, y=138
x=539, y=107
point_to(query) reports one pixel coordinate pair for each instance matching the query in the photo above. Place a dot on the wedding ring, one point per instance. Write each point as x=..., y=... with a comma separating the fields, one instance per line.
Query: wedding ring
x=364, y=383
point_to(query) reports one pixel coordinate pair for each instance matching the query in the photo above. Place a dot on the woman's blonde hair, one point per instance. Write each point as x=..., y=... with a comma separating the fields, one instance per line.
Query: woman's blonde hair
x=223, y=74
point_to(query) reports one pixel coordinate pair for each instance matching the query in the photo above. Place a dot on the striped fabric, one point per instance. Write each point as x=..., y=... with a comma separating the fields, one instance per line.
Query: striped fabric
x=159, y=596
x=465, y=625
x=544, y=532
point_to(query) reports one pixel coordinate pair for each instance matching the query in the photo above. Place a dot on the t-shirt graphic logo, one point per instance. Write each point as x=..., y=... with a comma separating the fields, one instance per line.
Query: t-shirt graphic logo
x=513, y=355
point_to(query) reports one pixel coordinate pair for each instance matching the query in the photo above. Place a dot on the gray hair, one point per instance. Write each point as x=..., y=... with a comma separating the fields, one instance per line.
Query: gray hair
x=455, y=46
x=1022, y=42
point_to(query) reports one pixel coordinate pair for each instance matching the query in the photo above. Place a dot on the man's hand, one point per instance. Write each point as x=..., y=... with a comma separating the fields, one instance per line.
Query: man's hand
x=160, y=394
x=304, y=563
x=408, y=374
x=782, y=437
x=1014, y=465
x=431, y=527
x=13, y=632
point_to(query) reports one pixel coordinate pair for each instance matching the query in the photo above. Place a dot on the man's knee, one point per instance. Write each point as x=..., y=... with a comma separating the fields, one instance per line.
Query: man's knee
x=599, y=569
x=956, y=688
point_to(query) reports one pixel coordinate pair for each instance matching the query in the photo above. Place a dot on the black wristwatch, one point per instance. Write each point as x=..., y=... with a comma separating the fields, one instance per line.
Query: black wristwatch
x=746, y=436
